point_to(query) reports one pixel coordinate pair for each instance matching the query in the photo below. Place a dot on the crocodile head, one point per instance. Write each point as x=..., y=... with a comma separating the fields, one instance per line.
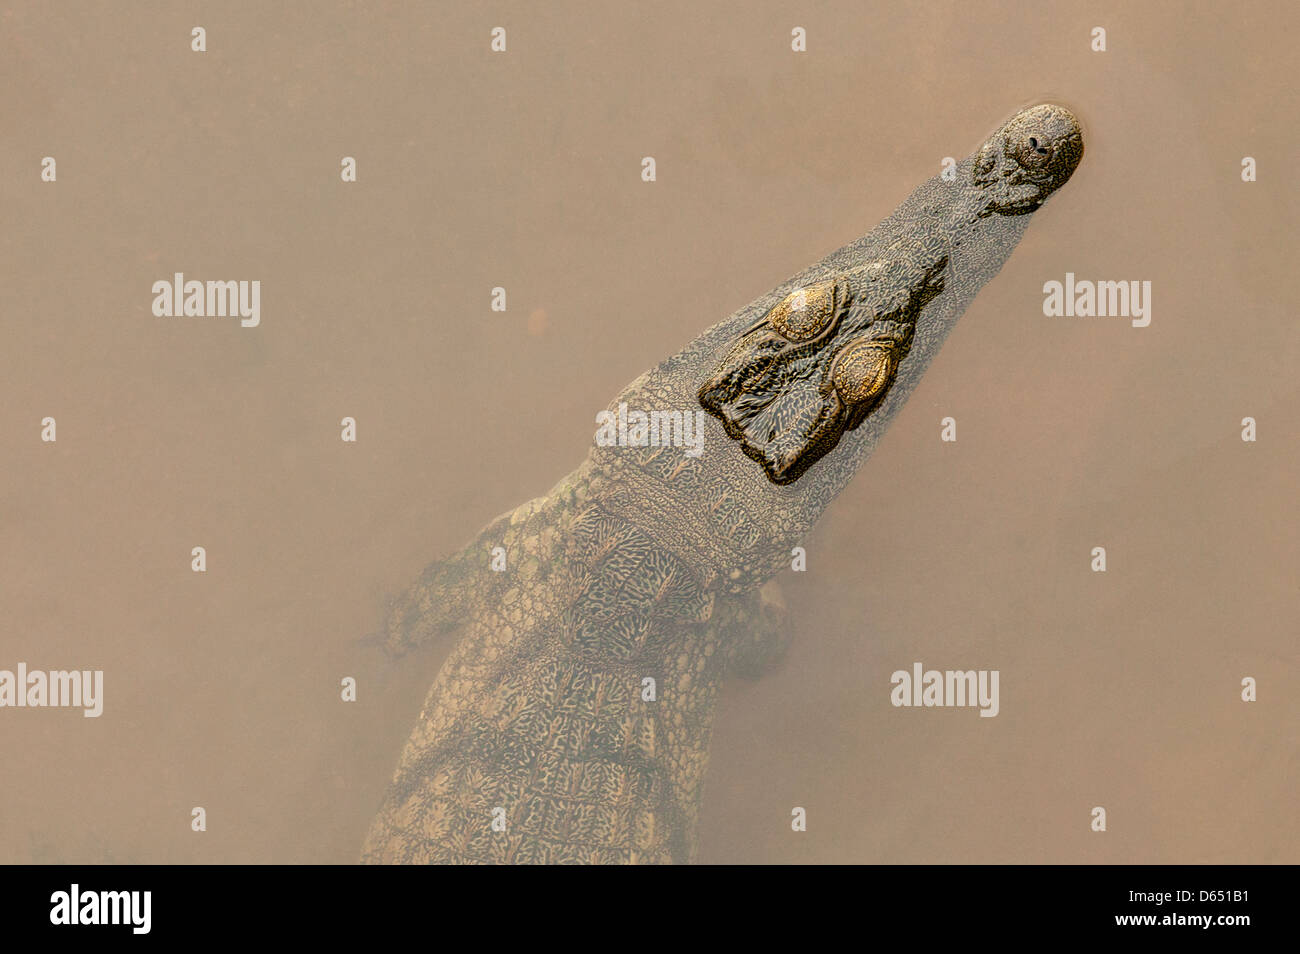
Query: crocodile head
x=816, y=364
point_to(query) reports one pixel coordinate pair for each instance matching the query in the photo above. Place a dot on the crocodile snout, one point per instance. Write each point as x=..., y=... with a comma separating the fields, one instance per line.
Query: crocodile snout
x=1029, y=158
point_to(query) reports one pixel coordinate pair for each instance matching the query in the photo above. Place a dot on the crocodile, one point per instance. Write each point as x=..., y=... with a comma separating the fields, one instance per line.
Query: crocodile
x=571, y=721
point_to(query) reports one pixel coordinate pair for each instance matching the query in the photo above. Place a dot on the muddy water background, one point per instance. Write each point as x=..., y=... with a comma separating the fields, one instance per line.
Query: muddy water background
x=1118, y=689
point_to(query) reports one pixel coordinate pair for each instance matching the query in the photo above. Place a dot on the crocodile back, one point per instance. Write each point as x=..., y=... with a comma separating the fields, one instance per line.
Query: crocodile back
x=571, y=722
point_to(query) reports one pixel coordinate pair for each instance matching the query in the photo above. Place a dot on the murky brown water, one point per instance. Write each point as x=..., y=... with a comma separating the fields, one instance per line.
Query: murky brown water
x=1118, y=689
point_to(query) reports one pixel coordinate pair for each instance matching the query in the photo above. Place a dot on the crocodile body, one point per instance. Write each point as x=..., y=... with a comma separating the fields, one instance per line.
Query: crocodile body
x=571, y=721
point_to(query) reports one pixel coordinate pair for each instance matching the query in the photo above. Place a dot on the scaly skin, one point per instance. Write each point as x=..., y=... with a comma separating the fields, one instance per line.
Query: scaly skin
x=539, y=740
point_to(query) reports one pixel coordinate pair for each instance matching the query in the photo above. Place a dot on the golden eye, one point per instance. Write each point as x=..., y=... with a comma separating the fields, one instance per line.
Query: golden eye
x=863, y=371
x=808, y=311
